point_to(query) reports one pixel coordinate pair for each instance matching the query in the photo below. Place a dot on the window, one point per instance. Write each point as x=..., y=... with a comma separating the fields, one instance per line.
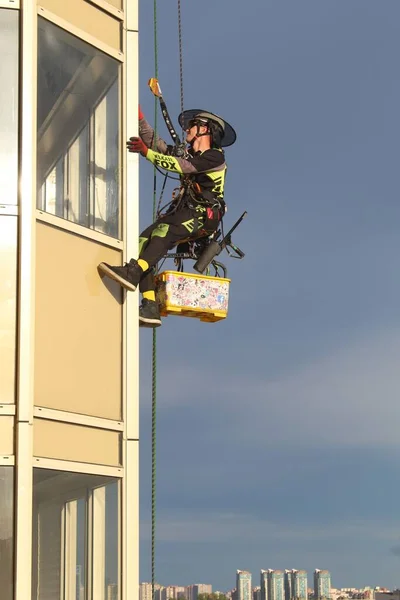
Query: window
x=6, y=532
x=9, y=106
x=76, y=536
x=78, y=162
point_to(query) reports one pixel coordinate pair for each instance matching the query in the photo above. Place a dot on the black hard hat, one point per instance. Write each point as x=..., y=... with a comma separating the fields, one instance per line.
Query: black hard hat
x=228, y=134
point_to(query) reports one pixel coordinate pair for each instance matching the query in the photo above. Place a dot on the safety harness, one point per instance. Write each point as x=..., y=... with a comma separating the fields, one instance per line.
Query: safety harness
x=189, y=193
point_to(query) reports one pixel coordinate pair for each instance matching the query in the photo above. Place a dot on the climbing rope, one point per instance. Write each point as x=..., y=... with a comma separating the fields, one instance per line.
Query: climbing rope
x=180, y=56
x=154, y=349
x=153, y=460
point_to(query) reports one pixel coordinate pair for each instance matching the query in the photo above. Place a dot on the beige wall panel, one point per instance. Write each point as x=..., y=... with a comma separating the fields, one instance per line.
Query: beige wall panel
x=8, y=291
x=89, y=18
x=6, y=435
x=52, y=439
x=78, y=342
x=114, y=3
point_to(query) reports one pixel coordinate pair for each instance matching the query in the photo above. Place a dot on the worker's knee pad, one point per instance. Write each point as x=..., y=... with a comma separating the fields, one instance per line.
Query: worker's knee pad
x=160, y=231
x=142, y=243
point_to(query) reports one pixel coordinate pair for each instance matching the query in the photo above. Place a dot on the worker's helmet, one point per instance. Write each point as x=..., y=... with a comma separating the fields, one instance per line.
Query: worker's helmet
x=222, y=133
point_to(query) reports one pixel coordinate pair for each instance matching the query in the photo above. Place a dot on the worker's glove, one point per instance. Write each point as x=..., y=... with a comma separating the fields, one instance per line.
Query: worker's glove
x=136, y=144
x=141, y=115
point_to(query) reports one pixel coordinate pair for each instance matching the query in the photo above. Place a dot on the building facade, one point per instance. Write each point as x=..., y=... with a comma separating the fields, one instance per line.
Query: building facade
x=201, y=588
x=288, y=584
x=243, y=585
x=322, y=584
x=264, y=584
x=299, y=584
x=146, y=592
x=68, y=401
x=191, y=592
x=276, y=584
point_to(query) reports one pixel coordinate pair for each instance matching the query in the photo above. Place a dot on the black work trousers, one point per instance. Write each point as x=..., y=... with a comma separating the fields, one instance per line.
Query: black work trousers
x=168, y=231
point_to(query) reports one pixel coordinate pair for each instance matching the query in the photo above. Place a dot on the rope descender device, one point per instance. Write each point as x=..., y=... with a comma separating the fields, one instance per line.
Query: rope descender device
x=180, y=148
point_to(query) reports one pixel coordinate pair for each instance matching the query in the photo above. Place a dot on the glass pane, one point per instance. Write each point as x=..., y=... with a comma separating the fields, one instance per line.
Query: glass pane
x=8, y=106
x=80, y=551
x=6, y=532
x=47, y=557
x=106, y=542
x=112, y=542
x=106, y=163
x=61, y=530
x=8, y=293
x=78, y=131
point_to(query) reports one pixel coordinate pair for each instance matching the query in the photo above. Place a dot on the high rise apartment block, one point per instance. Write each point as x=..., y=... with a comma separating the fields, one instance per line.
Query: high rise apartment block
x=295, y=584
x=288, y=584
x=322, y=584
x=264, y=584
x=276, y=584
x=243, y=585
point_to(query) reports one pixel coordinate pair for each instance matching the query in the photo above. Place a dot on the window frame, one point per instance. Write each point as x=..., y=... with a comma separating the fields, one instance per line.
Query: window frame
x=10, y=468
x=95, y=514
x=7, y=208
x=13, y=4
x=109, y=8
x=58, y=221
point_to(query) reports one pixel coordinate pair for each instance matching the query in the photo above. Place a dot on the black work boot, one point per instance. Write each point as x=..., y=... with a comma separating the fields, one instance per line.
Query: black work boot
x=128, y=276
x=149, y=314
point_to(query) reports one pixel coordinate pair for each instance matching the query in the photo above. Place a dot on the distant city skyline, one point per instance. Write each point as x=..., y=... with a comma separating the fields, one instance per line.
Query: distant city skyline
x=293, y=583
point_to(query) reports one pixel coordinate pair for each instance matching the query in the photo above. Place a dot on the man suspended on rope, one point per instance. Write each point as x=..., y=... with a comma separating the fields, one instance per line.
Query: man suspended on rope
x=195, y=212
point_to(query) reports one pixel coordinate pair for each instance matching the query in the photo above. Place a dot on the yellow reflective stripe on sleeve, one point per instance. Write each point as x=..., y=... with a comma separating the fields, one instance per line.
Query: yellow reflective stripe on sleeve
x=169, y=163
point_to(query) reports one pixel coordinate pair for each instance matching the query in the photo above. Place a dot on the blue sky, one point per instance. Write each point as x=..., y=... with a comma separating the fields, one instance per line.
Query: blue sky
x=278, y=429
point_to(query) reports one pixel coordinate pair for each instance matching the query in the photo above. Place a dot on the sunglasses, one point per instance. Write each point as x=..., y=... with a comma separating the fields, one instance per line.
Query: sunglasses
x=195, y=122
